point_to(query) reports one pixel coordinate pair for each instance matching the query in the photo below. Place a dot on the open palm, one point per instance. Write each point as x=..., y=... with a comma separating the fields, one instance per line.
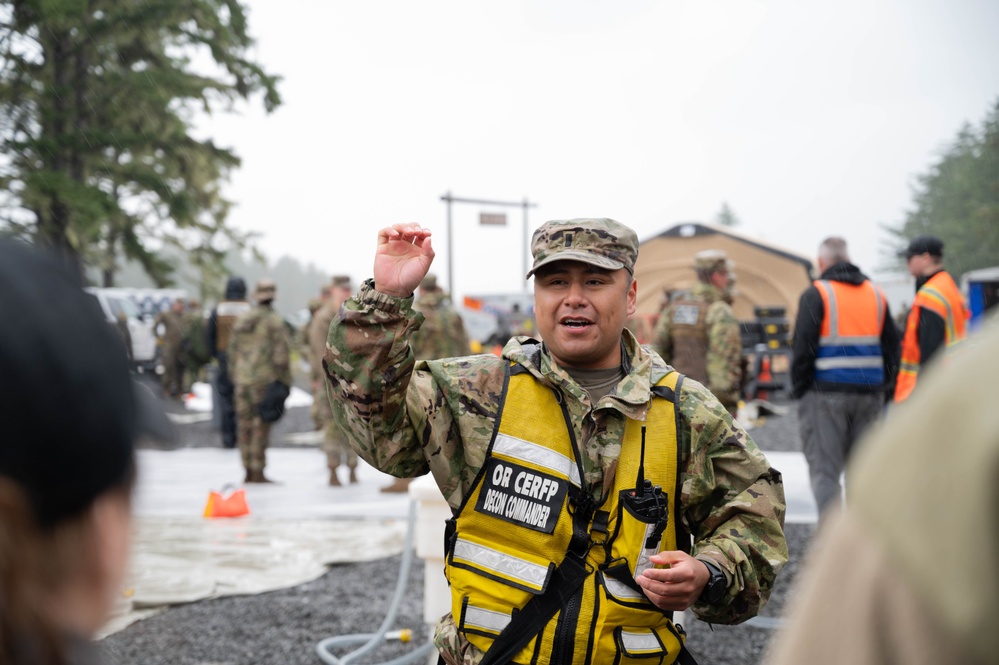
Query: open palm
x=402, y=259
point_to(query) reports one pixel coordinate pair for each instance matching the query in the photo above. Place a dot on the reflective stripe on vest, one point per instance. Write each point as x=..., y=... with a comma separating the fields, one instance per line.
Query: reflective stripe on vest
x=940, y=295
x=515, y=525
x=850, y=338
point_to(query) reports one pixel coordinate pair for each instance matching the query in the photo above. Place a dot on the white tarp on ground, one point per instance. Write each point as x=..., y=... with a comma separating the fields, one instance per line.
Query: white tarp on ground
x=297, y=527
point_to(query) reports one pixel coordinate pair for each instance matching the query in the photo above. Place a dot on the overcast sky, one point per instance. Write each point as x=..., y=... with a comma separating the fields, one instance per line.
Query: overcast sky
x=809, y=119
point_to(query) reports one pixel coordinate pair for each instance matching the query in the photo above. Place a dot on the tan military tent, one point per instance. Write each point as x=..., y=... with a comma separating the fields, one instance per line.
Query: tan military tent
x=767, y=276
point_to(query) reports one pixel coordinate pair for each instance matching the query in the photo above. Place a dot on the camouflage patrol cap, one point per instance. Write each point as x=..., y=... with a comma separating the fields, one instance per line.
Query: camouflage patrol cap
x=266, y=289
x=711, y=260
x=341, y=282
x=600, y=242
x=429, y=283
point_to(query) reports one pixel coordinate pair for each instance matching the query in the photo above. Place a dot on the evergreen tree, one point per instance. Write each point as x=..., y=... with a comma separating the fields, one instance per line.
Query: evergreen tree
x=726, y=217
x=96, y=103
x=957, y=199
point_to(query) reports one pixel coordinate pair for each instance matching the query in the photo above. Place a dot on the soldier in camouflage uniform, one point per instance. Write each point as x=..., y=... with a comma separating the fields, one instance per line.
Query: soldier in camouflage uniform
x=724, y=545
x=699, y=335
x=442, y=335
x=338, y=451
x=259, y=353
x=169, y=326
x=315, y=368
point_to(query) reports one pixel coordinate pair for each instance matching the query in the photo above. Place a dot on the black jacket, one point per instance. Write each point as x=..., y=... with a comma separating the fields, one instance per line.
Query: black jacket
x=932, y=330
x=808, y=326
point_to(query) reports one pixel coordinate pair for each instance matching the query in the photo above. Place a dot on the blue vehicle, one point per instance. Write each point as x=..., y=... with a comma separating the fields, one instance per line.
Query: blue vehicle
x=981, y=288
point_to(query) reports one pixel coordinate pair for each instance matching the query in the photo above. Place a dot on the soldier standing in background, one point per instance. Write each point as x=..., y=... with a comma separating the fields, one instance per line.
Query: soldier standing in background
x=219, y=329
x=442, y=335
x=315, y=367
x=259, y=354
x=194, y=347
x=169, y=327
x=337, y=450
x=699, y=335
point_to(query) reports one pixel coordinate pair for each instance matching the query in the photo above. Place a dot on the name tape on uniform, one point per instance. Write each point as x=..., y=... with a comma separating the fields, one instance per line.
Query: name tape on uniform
x=521, y=495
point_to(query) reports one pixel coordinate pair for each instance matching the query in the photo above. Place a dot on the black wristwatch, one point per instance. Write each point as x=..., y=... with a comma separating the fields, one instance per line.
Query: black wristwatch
x=717, y=584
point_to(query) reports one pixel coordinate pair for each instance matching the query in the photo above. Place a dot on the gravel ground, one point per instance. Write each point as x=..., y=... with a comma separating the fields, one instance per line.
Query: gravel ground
x=284, y=627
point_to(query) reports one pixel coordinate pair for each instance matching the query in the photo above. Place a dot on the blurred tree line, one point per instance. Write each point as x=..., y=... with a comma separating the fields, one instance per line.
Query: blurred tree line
x=97, y=155
x=957, y=199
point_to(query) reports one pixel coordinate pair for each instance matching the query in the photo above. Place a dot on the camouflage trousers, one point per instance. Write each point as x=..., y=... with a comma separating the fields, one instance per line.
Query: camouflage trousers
x=335, y=445
x=338, y=451
x=172, y=380
x=252, y=434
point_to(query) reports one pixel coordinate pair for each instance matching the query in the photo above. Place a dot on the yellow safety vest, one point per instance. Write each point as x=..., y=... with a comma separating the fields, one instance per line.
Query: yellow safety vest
x=516, y=525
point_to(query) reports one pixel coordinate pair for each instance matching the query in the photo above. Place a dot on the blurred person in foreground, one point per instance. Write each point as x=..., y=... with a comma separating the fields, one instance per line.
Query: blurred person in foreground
x=218, y=331
x=906, y=572
x=442, y=335
x=338, y=451
x=938, y=317
x=577, y=469
x=698, y=333
x=260, y=361
x=845, y=358
x=71, y=414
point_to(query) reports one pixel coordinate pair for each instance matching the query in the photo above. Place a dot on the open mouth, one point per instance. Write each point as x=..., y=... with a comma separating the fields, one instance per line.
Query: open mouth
x=575, y=323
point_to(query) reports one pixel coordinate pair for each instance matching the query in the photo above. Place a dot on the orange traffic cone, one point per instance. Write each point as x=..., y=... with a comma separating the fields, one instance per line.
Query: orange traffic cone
x=765, y=378
x=227, y=504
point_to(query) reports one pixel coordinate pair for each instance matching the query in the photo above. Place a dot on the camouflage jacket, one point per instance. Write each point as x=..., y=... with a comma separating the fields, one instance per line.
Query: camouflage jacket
x=442, y=334
x=172, y=325
x=259, y=348
x=723, y=344
x=407, y=417
x=319, y=328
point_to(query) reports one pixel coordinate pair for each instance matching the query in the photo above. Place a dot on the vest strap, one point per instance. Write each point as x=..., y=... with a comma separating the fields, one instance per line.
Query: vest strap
x=535, y=615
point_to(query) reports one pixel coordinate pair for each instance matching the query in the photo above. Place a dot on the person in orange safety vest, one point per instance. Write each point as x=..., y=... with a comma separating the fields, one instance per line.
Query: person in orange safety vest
x=846, y=354
x=939, y=316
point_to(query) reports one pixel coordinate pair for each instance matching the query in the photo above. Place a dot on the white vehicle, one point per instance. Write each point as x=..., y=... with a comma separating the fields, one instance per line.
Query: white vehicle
x=115, y=301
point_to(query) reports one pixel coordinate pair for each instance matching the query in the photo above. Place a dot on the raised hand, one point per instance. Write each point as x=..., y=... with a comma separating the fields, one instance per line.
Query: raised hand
x=402, y=259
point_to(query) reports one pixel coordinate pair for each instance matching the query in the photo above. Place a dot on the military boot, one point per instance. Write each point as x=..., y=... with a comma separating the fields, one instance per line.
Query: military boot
x=398, y=486
x=258, y=477
x=353, y=476
x=334, y=479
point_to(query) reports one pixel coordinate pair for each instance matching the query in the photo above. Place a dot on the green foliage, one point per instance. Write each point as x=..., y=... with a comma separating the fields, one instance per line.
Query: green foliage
x=957, y=199
x=726, y=217
x=96, y=101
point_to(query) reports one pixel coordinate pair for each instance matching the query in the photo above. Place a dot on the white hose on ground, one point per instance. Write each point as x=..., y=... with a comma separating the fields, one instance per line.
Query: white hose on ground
x=371, y=641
